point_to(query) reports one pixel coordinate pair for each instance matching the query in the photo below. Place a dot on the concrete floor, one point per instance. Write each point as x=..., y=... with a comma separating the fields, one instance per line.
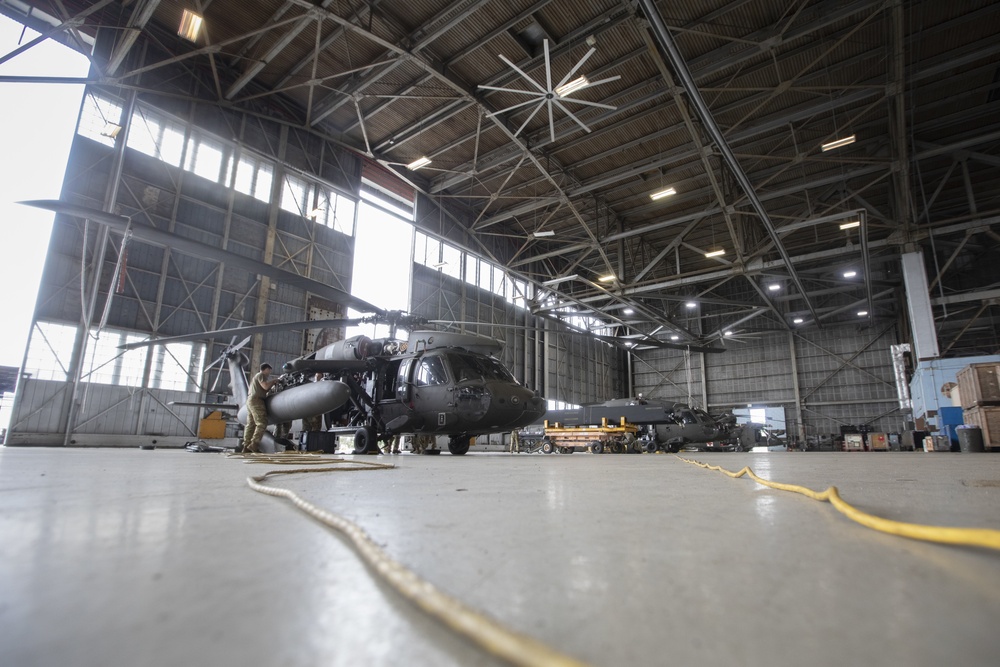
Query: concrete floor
x=128, y=557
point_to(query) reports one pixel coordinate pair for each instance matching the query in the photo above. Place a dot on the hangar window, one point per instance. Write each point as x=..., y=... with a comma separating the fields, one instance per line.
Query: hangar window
x=295, y=195
x=204, y=158
x=335, y=211
x=253, y=177
x=97, y=112
x=49, y=351
x=157, y=136
x=176, y=366
x=452, y=260
x=104, y=363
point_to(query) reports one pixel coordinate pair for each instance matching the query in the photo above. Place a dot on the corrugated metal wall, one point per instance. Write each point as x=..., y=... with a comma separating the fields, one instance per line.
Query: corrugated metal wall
x=844, y=377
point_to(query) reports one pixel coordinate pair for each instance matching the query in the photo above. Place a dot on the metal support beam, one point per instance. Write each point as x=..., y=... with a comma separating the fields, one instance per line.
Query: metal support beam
x=141, y=13
x=918, y=304
x=679, y=65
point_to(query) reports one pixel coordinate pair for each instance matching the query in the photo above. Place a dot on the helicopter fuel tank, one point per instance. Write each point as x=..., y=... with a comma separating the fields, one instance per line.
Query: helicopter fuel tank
x=307, y=400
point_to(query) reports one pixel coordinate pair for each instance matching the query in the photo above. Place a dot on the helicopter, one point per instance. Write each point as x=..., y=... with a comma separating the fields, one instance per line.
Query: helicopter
x=665, y=425
x=434, y=383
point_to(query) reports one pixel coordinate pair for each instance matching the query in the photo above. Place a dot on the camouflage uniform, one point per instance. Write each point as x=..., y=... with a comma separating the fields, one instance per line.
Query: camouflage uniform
x=256, y=415
x=312, y=423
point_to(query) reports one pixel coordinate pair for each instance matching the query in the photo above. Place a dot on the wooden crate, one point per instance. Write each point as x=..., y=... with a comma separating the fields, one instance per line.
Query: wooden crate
x=878, y=442
x=979, y=385
x=987, y=419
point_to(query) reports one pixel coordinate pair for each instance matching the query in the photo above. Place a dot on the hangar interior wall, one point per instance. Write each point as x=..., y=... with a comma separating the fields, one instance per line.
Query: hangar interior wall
x=824, y=378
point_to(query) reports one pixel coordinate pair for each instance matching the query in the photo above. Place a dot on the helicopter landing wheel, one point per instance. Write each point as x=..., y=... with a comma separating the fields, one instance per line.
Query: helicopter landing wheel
x=459, y=445
x=617, y=448
x=597, y=447
x=366, y=441
x=547, y=447
x=652, y=447
x=565, y=450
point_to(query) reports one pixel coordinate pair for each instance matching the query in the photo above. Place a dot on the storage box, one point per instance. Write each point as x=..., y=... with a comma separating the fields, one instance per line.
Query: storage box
x=854, y=442
x=979, y=385
x=987, y=419
x=878, y=442
x=937, y=443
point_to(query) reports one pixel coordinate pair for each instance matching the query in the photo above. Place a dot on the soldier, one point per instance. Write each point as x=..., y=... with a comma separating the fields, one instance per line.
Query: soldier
x=256, y=412
x=314, y=423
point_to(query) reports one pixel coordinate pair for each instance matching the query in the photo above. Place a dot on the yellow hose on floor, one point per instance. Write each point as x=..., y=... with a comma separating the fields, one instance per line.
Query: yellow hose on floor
x=488, y=634
x=971, y=537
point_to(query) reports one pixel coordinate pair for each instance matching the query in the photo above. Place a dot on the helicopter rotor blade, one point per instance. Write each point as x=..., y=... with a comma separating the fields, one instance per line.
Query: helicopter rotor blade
x=149, y=234
x=614, y=340
x=250, y=330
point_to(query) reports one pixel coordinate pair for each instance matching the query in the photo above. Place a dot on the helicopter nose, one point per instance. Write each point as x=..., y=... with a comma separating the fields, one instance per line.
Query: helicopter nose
x=513, y=407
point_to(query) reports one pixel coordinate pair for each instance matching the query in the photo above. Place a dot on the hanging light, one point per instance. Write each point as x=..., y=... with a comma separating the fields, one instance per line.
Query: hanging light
x=851, y=225
x=608, y=278
x=845, y=141
x=669, y=192
x=798, y=320
x=418, y=163
x=576, y=84
x=716, y=253
x=190, y=25
x=691, y=304
x=850, y=274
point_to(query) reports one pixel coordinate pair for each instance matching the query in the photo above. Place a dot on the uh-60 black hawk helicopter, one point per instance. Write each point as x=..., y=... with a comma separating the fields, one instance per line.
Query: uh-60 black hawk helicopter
x=435, y=383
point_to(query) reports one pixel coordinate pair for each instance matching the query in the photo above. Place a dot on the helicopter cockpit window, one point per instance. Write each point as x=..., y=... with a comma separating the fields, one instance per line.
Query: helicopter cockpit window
x=687, y=417
x=430, y=372
x=472, y=367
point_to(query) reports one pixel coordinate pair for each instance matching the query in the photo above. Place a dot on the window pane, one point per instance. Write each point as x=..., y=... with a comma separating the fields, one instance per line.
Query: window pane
x=452, y=258
x=97, y=112
x=471, y=269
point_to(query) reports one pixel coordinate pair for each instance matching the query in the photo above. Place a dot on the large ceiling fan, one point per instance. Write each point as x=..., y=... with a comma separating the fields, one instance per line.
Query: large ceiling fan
x=549, y=96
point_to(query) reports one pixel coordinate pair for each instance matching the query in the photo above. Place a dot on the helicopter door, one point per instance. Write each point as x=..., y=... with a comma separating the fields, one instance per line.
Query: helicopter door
x=404, y=379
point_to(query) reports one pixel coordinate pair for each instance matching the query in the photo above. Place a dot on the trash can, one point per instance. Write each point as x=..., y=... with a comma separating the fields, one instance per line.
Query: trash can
x=970, y=439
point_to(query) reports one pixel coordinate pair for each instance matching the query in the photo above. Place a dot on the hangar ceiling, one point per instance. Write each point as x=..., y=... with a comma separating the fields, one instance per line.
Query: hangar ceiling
x=726, y=102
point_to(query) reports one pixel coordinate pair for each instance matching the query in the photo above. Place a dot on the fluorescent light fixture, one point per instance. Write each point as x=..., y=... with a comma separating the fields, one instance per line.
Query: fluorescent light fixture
x=628, y=311
x=774, y=287
x=439, y=265
x=190, y=25
x=715, y=253
x=850, y=274
x=862, y=313
x=418, y=163
x=691, y=304
x=111, y=130
x=675, y=337
x=540, y=235
x=572, y=86
x=728, y=333
x=851, y=225
x=556, y=281
x=315, y=212
x=846, y=141
x=669, y=192
x=610, y=278
x=798, y=320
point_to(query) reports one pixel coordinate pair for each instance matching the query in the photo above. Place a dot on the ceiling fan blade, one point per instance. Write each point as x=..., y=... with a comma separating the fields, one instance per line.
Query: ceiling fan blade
x=149, y=234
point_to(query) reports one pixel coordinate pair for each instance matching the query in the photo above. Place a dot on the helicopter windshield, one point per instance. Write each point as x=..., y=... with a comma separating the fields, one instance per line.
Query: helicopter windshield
x=475, y=367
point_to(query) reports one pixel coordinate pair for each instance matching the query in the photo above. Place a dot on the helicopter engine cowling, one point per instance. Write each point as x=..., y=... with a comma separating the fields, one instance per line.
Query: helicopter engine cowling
x=350, y=349
x=306, y=400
